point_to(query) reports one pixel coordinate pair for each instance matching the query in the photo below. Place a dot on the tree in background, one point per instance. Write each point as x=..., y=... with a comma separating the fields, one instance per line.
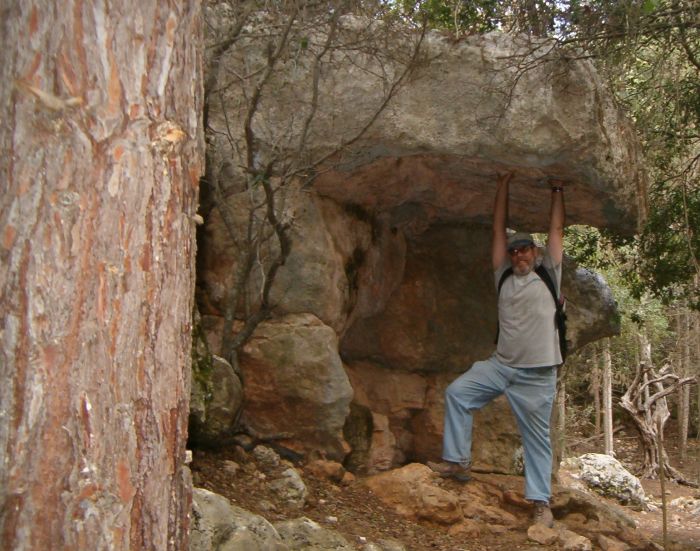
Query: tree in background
x=649, y=338
x=102, y=153
x=646, y=401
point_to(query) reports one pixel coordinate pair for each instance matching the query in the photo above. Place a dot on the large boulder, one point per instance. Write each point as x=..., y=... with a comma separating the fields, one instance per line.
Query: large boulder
x=321, y=276
x=605, y=475
x=389, y=265
x=216, y=394
x=471, y=112
x=303, y=534
x=217, y=524
x=467, y=110
x=297, y=391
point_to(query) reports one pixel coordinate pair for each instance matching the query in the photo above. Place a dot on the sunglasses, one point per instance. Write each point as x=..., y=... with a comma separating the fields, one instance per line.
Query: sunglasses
x=517, y=250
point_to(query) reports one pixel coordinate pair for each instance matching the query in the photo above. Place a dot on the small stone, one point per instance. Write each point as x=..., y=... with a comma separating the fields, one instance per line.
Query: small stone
x=610, y=544
x=541, y=534
x=266, y=457
x=391, y=545
x=267, y=506
x=291, y=488
x=231, y=467
x=329, y=470
x=332, y=519
x=514, y=498
x=468, y=527
x=348, y=479
x=571, y=541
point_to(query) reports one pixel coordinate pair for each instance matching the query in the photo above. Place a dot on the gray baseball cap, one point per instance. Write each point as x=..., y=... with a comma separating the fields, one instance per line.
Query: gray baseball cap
x=519, y=239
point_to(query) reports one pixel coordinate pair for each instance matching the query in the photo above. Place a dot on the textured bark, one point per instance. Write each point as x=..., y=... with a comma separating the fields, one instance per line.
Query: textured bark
x=595, y=389
x=683, y=413
x=102, y=149
x=645, y=401
x=607, y=400
x=696, y=366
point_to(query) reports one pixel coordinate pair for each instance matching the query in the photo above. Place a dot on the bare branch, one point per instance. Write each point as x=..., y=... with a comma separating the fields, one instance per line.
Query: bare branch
x=257, y=93
x=393, y=89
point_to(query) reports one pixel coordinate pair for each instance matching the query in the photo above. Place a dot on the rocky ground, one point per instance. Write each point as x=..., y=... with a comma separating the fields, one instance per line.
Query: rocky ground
x=352, y=509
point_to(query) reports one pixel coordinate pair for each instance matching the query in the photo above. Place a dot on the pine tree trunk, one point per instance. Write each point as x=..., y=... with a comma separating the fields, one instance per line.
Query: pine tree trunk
x=102, y=151
x=684, y=392
x=595, y=389
x=696, y=368
x=607, y=400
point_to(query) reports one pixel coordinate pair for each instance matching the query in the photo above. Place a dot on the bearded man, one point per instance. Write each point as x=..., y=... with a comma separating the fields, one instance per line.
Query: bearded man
x=524, y=365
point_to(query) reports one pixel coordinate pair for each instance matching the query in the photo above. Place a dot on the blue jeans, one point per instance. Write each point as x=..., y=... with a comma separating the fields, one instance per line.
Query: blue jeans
x=530, y=393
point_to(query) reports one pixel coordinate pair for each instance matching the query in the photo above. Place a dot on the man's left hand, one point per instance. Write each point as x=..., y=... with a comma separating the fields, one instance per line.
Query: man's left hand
x=554, y=182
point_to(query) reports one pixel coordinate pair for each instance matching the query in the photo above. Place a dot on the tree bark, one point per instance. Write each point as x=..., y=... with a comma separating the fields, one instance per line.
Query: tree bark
x=684, y=392
x=645, y=401
x=102, y=152
x=595, y=388
x=697, y=375
x=609, y=448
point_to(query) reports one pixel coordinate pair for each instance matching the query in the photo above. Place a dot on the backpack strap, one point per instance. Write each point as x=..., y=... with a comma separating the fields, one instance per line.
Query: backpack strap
x=505, y=275
x=560, y=315
x=544, y=276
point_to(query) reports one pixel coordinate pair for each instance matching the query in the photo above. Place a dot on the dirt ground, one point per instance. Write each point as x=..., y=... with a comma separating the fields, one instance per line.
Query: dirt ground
x=356, y=513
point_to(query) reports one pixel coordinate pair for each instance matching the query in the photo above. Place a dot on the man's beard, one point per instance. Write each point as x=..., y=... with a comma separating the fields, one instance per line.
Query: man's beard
x=523, y=268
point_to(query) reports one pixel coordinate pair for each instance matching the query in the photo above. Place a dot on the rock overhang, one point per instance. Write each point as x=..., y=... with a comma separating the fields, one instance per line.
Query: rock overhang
x=469, y=110
x=466, y=110
x=418, y=190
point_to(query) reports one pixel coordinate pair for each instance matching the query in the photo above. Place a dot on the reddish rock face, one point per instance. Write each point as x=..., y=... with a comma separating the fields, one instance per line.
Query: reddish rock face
x=295, y=387
x=411, y=314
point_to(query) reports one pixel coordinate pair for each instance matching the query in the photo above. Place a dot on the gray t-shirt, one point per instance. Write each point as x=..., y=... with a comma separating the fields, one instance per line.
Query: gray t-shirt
x=528, y=335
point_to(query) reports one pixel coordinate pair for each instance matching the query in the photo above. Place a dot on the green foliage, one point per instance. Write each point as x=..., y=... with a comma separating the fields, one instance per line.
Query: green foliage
x=670, y=242
x=617, y=261
x=589, y=247
x=457, y=16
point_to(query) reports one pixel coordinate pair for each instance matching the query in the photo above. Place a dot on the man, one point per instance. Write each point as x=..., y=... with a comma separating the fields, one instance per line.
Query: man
x=524, y=364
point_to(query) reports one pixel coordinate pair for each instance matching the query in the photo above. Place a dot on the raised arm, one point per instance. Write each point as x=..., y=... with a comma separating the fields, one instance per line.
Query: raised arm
x=500, y=220
x=555, y=239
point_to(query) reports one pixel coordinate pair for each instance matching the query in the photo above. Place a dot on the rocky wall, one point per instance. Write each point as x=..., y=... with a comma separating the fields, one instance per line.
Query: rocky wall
x=387, y=293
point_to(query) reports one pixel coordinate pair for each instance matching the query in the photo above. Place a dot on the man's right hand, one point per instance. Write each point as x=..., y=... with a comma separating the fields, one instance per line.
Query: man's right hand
x=504, y=178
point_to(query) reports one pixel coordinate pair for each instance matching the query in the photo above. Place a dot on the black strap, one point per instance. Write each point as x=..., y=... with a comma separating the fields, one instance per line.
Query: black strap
x=560, y=316
x=544, y=275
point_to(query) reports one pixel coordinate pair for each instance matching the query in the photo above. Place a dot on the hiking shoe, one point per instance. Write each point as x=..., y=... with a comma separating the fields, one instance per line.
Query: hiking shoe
x=456, y=471
x=543, y=514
